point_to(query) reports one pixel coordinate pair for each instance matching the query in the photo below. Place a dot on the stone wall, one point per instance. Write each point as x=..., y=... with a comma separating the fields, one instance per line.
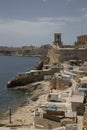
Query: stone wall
x=71, y=54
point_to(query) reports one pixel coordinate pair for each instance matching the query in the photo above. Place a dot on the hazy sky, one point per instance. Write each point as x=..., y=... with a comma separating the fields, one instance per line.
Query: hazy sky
x=26, y=22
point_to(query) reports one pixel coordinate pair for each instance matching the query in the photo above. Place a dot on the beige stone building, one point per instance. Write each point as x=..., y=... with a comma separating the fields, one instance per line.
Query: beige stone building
x=81, y=41
x=71, y=52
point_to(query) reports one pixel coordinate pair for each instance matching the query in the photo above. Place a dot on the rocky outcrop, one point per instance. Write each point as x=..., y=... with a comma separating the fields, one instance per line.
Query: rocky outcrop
x=24, y=79
x=39, y=65
x=31, y=77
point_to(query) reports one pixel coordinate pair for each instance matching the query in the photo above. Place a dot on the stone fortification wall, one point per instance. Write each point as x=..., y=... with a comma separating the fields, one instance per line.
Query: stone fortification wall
x=71, y=54
x=68, y=52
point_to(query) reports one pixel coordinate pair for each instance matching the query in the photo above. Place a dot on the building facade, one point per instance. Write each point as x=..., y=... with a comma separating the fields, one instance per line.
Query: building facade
x=81, y=41
x=67, y=52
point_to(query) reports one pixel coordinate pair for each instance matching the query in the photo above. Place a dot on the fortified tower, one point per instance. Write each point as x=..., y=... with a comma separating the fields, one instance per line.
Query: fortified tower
x=57, y=39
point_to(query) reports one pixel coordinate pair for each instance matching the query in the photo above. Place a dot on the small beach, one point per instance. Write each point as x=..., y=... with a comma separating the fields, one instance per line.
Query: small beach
x=24, y=115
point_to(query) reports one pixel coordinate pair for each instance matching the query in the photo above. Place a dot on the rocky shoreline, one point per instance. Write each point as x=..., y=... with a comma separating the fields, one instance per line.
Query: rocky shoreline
x=43, y=88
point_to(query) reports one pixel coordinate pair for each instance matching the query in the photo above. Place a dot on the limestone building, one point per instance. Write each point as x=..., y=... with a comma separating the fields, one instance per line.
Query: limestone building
x=81, y=41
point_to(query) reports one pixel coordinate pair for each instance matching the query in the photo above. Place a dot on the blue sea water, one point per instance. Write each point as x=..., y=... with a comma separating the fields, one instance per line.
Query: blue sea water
x=10, y=66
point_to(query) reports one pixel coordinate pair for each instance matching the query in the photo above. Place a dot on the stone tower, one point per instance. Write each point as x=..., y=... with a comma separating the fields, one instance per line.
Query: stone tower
x=57, y=39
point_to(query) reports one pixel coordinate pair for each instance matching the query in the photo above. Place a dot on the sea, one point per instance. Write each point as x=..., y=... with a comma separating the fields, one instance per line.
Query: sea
x=10, y=66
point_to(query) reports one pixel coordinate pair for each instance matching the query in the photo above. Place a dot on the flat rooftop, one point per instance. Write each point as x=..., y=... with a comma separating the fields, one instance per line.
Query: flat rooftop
x=83, y=80
x=77, y=98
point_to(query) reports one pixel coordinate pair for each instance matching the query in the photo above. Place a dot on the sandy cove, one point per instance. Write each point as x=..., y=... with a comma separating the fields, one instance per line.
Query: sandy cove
x=25, y=114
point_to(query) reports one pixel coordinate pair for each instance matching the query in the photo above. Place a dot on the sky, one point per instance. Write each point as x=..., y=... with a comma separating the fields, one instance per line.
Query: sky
x=34, y=22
